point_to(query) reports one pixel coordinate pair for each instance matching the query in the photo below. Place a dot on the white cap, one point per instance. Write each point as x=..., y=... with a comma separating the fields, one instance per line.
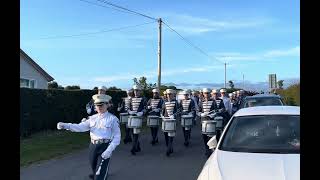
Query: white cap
x=155, y=90
x=214, y=91
x=101, y=98
x=136, y=87
x=164, y=92
x=205, y=90
x=129, y=90
x=170, y=91
x=223, y=90
x=102, y=88
x=188, y=91
x=241, y=90
x=238, y=91
x=183, y=92
x=230, y=94
x=234, y=92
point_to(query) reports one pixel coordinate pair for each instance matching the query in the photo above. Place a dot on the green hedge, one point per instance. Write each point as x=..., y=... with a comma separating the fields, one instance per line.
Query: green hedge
x=291, y=95
x=43, y=109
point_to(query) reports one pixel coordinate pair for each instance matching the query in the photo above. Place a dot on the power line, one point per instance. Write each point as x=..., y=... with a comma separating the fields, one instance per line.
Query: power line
x=191, y=44
x=105, y=6
x=97, y=32
x=119, y=8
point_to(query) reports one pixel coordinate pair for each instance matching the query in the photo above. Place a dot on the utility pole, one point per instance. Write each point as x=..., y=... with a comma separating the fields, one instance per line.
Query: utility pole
x=159, y=54
x=225, y=75
x=243, y=81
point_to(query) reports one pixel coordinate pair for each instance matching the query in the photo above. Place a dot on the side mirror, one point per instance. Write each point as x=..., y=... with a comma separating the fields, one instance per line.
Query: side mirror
x=212, y=143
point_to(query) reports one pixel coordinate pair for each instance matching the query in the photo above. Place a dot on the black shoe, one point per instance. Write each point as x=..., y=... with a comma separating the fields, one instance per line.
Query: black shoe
x=91, y=176
x=138, y=149
x=186, y=144
x=125, y=141
x=153, y=143
x=157, y=141
x=168, y=153
x=133, y=152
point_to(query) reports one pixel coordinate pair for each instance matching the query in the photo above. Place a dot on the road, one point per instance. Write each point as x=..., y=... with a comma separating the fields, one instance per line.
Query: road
x=150, y=163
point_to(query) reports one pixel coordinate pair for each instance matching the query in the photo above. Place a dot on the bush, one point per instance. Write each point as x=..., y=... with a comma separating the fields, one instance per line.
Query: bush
x=291, y=95
x=42, y=109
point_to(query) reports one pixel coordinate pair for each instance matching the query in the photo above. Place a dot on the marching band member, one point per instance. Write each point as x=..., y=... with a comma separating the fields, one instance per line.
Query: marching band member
x=138, y=108
x=154, y=106
x=188, y=108
x=169, y=109
x=207, y=105
x=226, y=101
x=125, y=107
x=105, y=136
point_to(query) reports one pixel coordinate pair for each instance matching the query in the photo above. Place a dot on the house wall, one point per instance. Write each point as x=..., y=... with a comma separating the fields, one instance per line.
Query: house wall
x=29, y=72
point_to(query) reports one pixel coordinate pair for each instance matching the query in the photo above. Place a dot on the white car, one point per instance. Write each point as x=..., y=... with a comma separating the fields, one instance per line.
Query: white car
x=258, y=143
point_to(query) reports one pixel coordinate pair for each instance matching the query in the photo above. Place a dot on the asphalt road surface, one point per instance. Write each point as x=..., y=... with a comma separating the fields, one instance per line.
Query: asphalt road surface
x=149, y=164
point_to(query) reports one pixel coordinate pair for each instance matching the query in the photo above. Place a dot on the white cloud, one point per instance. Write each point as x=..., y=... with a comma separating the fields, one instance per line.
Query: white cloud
x=195, y=25
x=153, y=74
x=279, y=53
x=236, y=56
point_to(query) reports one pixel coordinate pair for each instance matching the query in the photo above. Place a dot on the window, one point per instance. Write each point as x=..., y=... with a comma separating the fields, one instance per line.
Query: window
x=263, y=134
x=28, y=83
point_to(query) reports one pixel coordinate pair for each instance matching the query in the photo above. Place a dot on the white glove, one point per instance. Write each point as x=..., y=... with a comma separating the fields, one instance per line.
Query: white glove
x=106, y=154
x=60, y=125
x=171, y=117
x=89, y=110
x=149, y=107
x=156, y=110
x=211, y=115
x=119, y=108
x=83, y=119
x=139, y=113
x=203, y=114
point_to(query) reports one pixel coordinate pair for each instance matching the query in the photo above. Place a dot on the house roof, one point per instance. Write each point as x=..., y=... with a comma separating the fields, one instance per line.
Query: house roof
x=36, y=66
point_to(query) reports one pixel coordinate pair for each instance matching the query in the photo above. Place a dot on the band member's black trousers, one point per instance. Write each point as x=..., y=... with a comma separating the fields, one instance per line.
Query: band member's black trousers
x=136, y=143
x=169, y=141
x=95, y=151
x=186, y=134
x=128, y=134
x=154, y=133
x=205, y=141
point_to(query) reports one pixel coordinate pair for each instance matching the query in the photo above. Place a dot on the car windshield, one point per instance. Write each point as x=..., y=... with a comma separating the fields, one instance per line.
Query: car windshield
x=263, y=134
x=251, y=102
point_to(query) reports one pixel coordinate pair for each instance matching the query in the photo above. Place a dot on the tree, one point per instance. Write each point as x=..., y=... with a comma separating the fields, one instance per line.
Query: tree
x=280, y=84
x=52, y=85
x=231, y=84
x=72, y=87
x=113, y=88
x=142, y=82
x=95, y=88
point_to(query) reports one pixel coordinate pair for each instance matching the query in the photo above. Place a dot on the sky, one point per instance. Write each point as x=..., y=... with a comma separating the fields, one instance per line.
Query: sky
x=254, y=38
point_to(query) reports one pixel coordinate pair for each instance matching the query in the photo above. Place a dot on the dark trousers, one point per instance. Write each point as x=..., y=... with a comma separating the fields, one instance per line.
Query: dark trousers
x=95, y=151
x=136, y=143
x=128, y=133
x=186, y=134
x=218, y=134
x=205, y=141
x=169, y=141
x=154, y=133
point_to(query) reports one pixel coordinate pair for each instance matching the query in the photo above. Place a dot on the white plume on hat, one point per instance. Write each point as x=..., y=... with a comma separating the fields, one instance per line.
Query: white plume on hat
x=205, y=90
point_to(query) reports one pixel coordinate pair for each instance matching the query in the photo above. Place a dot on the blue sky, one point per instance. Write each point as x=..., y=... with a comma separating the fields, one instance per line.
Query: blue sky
x=255, y=38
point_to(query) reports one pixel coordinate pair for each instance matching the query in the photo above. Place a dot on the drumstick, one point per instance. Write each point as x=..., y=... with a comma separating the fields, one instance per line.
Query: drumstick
x=98, y=171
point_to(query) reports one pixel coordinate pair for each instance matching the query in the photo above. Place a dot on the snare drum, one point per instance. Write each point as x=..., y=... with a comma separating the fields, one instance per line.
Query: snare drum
x=168, y=125
x=124, y=118
x=135, y=121
x=208, y=127
x=219, y=120
x=153, y=121
x=186, y=120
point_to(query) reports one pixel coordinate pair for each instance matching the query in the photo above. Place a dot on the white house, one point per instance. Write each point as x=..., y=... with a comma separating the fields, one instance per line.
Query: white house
x=31, y=74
